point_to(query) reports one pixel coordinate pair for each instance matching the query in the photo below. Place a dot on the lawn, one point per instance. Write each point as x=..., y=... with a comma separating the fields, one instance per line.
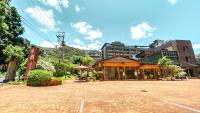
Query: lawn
x=103, y=97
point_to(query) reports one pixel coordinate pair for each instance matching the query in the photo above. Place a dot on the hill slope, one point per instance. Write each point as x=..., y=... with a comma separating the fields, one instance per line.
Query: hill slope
x=68, y=51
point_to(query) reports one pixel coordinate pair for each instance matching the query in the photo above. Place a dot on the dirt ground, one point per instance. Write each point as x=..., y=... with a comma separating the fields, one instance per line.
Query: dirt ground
x=104, y=97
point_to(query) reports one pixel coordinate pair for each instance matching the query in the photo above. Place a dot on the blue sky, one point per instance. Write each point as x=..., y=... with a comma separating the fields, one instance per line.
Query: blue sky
x=90, y=23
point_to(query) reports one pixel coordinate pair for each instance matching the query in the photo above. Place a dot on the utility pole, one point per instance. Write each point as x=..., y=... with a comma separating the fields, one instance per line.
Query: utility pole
x=61, y=41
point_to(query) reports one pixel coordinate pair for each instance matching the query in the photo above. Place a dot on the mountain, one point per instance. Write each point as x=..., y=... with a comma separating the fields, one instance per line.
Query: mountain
x=68, y=51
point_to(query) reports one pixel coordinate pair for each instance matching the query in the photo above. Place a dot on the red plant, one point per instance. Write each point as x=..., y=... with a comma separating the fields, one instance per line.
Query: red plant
x=56, y=81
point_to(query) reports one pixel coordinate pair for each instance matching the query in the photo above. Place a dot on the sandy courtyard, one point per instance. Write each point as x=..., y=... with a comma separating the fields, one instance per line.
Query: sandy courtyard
x=104, y=97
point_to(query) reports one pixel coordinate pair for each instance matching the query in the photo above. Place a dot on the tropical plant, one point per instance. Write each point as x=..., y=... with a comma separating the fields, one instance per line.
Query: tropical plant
x=87, y=60
x=170, y=69
x=182, y=74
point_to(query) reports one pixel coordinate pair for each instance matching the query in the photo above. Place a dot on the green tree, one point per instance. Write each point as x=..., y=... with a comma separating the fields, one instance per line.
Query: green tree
x=10, y=27
x=170, y=69
x=164, y=62
x=77, y=59
x=14, y=56
x=87, y=60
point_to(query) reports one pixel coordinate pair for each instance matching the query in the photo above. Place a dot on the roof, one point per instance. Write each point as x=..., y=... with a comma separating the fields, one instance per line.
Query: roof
x=127, y=62
x=119, y=57
x=104, y=45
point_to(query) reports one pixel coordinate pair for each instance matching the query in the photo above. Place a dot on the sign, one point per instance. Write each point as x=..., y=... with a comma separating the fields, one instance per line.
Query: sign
x=32, y=61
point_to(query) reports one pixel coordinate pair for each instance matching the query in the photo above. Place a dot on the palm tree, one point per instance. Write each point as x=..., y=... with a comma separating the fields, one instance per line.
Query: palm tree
x=87, y=60
x=164, y=62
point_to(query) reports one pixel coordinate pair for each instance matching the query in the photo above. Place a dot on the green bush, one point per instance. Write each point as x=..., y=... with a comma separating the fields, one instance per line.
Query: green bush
x=62, y=69
x=22, y=68
x=39, y=78
x=2, y=74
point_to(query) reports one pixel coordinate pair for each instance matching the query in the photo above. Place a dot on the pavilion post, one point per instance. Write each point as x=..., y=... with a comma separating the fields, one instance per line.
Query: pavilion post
x=154, y=74
x=136, y=72
x=104, y=73
x=124, y=74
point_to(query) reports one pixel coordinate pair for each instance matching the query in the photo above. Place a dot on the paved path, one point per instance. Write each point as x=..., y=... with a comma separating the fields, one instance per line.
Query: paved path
x=103, y=97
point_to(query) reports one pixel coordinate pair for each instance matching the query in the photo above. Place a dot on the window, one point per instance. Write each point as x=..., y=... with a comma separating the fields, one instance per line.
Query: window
x=186, y=59
x=183, y=48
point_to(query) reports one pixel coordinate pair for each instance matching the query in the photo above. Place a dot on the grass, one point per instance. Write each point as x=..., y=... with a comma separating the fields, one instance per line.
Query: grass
x=17, y=82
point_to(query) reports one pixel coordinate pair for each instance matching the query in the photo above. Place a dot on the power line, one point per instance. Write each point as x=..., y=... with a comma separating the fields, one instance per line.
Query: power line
x=35, y=28
x=38, y=11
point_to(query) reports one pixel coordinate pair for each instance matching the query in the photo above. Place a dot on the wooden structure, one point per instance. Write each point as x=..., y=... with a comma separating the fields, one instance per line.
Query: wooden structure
x=121, y=68
x=83, y=69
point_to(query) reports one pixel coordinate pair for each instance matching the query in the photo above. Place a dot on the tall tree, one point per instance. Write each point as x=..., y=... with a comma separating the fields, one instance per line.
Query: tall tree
x=14, y=56
x=10, y=31
x=10, y=27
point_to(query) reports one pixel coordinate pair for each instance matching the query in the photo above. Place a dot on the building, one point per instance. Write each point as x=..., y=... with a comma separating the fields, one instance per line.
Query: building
x=198, y=59
x=180, y=50
x=118, y=48
x=122, y=68
x=95, y=54
x=155, y=56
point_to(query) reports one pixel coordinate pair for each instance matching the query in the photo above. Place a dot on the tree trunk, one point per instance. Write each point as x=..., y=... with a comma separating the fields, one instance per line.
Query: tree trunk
x=11, y=71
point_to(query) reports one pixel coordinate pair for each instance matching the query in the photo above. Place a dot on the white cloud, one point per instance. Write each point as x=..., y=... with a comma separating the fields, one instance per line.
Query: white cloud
x=56, y=4
x=196, y=46
x=44, y=30
x=78, y=44
x=48, y=44
x=141, y=31
x=87, y=30
x=45, y=17
x=77, y=41
x=172, y=2
x=94, y=45
x=77, y=8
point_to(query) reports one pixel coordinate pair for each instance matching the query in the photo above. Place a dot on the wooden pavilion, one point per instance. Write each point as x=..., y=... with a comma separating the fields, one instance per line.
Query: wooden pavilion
x=122, y=68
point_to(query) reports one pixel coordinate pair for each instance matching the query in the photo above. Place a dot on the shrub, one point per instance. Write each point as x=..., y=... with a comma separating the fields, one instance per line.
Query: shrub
x=22, y=68
x=56, y=81
x=182, y=74
x=2, y=74
x=39, y=78
x=62, y=69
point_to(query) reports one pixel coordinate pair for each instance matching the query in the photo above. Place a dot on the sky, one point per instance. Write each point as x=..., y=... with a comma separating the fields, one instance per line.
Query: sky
x=88, y=24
